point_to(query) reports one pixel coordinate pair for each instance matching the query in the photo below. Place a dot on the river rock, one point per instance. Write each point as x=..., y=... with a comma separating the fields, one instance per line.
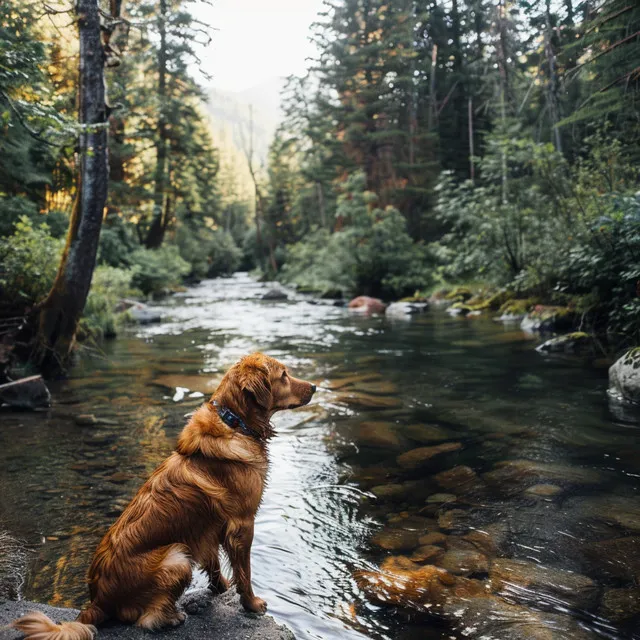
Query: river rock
x=378, y=434
x=454, y=520
x=426, y=433
x=621, y=511
x=543, y=490
x=577, y=343
x=491, y=539
x=620, y=605
x=26, y=393
x=432, y=538
x=463, y=561
x=617, y=558
x=489, y=617
x=367, y=305
x=545, y=318
x=368, y=401
x=441, y=498
x=221, y=617
x=420, y=456
x=532, y=583
x=514, y=476
x=86, y=420
x=427, y=553
x=624, y=377
x=275, y=294
x=396, y=539
x=406, y=309
x=390, y=491
x=461, y=480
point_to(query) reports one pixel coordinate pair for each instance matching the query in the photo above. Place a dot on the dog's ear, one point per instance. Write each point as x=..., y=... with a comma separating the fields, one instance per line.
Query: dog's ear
x=254, y=380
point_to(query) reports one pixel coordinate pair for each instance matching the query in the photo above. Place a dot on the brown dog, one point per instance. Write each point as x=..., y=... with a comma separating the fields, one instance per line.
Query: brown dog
x=203, y=496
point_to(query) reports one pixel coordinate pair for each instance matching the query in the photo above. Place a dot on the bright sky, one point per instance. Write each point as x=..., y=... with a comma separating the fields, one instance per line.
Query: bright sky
x=256, y=40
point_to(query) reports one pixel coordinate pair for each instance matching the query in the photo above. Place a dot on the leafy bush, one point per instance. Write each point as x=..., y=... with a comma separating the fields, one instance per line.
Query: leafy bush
x=108, y=286
x=12, y=210
x=117, y=243
x=224, y=254
x=155, y=270
x=372, y=254
x=28, y=262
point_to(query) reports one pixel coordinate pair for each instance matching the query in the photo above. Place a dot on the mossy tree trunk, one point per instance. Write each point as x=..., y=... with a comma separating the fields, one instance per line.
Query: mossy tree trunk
x=60, y=312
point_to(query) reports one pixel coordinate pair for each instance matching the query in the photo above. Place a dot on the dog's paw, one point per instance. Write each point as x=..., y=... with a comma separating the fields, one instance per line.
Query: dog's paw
x=196, y=601
x=255, y=605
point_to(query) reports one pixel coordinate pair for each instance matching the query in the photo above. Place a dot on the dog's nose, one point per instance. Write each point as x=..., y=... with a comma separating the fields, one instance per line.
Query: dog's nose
x=313, y=388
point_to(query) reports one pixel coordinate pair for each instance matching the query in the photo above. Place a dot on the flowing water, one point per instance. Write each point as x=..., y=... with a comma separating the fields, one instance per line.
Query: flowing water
x=545, y=471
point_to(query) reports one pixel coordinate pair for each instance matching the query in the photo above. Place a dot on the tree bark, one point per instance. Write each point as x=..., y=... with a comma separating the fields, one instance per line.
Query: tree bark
x=155, y=235
x=60, y=312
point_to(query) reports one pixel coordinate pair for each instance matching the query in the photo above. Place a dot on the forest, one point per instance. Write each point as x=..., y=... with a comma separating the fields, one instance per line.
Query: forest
x=485, y=144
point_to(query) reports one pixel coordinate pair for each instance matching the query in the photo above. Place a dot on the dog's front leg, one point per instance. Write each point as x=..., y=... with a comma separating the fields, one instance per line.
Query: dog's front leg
x=238, y=548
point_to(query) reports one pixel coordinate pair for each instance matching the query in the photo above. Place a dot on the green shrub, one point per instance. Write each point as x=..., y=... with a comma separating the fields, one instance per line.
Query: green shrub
x=28, y=262
x=372, y=254
x=12, y=210
x=108, y=286
x=117, y=243
x=155, y=270
x=224, y=254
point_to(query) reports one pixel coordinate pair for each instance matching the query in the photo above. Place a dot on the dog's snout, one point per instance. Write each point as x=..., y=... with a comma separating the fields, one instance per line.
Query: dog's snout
x=313, y=388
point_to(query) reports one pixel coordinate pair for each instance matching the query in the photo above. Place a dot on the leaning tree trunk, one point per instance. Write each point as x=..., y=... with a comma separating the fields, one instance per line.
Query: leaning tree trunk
x=62, y=309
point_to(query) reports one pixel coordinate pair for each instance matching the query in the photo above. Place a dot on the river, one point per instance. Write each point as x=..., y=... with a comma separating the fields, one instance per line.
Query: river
x=552, y=468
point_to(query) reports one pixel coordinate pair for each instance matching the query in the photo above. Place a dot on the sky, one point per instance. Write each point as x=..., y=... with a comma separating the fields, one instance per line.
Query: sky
x=256, y=40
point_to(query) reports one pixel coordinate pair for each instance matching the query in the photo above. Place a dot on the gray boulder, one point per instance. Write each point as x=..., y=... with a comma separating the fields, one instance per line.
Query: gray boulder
x=577, y=343
x=275, y=294
x=624, y=377
x=26, y=393
x=406, y=309
x=221, y=618
x=143, y=314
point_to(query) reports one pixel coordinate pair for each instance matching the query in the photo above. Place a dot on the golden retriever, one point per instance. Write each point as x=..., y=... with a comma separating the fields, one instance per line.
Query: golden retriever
x=204, y=496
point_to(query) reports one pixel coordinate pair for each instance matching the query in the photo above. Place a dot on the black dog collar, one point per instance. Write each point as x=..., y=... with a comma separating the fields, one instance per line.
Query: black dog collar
x=232, y=420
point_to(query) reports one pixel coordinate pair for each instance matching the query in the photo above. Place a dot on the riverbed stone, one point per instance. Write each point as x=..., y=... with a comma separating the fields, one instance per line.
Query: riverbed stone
x=544, y=318
x=432, y=538
x=624, y=377
x=275, y=294
x=489, y=617
x=463, y=560
x=491, y=539
x=620, y=605
x=533, y=583
x=406, y=309
x=356, y=398
x=514, y=476
x=426, y=433
x=454, y=520
x=221, y=617
x=418, y=457
x=621, y=511
x=441, y=498
x=378, y=434
x=543, y=490
x=391, y=491
x=617, y=558
x=428, y=553
x=460, y=480
x=396, y=539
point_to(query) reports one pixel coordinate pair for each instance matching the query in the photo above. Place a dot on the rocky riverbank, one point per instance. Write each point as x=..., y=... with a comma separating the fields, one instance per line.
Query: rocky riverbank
x=221, y=617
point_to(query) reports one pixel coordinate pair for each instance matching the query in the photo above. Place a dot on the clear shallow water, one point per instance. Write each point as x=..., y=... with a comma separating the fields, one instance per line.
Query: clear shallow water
x=386, y=388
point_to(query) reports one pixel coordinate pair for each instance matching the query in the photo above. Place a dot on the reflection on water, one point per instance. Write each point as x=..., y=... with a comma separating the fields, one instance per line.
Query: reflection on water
x=447, y=481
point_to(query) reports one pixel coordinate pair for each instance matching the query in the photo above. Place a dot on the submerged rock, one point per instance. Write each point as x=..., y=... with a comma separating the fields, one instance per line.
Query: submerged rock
x=543, y=490
x=378, y=434
x=617, y=510
x=420, y=456
x=513, y=476
x=427, y=553
x=463, y=560
x=426, y=433
x=530, y=582
x=620, y=605
x=624, y=377
x=396, y=539
x=460, y=479
x=390, y=491
x=577, y=343
x=26, y=393
x=617, y=558
x=143, y=314
x=492, y=618
x=367, y=305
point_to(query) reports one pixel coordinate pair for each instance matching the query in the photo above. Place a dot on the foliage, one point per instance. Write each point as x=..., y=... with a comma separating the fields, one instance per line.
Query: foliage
x=13, y=209
x=224, y=254
x=372, y=254
x=29, y=261
x=156, y=270
x=108, y=286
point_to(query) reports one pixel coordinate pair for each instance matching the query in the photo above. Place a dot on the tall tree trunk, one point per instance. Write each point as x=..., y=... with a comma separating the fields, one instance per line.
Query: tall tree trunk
x=155, y=235
x=552, y=85
x=62, y=309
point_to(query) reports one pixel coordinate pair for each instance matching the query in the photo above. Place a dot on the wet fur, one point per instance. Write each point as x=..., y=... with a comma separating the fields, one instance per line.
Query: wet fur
x=203, y=497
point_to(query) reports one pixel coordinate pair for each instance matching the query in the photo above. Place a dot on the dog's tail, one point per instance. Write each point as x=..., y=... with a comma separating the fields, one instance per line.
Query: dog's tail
x=38, y=626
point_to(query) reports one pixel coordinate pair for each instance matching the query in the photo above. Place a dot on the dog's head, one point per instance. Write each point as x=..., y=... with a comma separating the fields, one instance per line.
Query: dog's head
x=258, y=386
